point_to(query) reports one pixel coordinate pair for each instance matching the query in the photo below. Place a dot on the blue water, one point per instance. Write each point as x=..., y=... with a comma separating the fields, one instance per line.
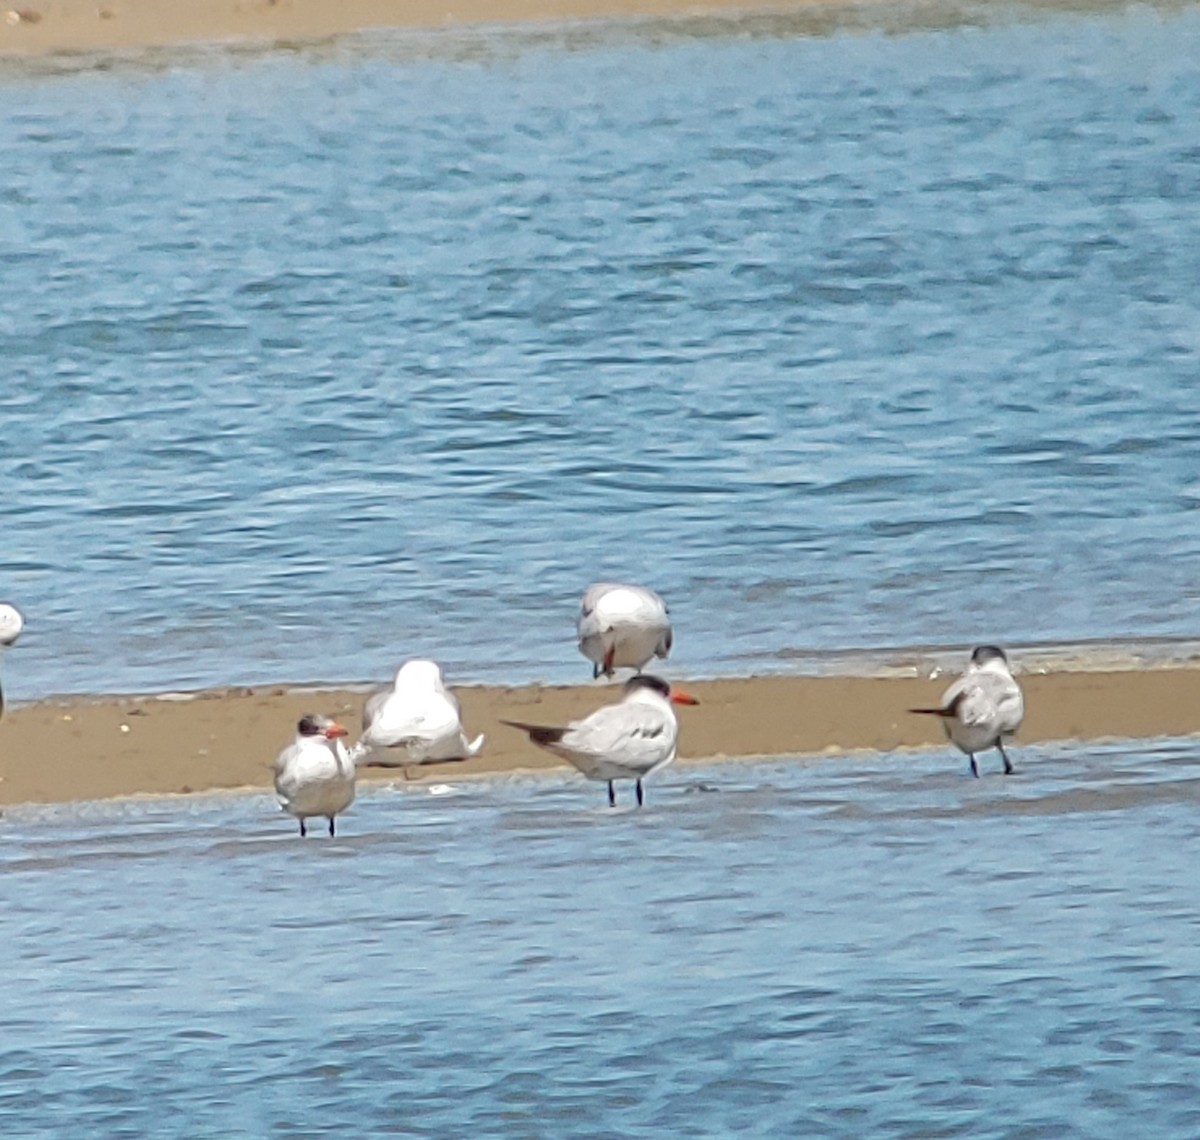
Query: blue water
x=873, y=334
x=315, y=359
x=873, y=947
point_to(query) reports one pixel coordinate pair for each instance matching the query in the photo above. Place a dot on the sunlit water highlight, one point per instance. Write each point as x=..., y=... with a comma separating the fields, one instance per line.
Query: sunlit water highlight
x=868, y=946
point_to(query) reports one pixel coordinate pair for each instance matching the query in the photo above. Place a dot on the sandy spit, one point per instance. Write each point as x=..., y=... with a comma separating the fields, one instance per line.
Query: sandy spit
x=93, y=748
x=36, y=27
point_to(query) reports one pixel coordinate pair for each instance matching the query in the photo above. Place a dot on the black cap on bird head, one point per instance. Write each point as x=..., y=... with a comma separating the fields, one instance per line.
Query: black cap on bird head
x=311, y=725
x=659, y=686
x=648, y=681
x=982, y=654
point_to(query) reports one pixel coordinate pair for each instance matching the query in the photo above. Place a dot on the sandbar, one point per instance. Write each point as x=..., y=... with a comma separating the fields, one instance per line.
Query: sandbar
x=85, y=748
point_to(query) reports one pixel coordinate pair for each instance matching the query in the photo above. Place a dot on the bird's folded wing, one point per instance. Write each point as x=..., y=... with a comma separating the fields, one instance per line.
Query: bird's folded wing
x=638, y=736
x=977, y=708
x=1010, y=706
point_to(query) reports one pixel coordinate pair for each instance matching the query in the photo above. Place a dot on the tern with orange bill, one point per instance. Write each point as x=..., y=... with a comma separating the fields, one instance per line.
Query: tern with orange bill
x=626, y=741
x=314, y=775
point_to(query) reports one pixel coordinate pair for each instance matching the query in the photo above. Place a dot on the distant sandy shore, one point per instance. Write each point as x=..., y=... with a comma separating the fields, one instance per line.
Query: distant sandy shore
x=95, y=748
x=31, y=27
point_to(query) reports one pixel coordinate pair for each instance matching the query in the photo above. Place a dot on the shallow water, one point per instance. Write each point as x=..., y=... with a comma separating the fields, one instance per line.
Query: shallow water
x=317, y=359
x=866, y=946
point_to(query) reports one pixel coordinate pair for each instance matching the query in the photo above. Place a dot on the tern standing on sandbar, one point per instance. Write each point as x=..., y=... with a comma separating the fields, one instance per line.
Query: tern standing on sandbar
x=626, y=741
x=314, y=775
x=11, y=624
x=622, y=627
x=983, y=708
x=417, y=721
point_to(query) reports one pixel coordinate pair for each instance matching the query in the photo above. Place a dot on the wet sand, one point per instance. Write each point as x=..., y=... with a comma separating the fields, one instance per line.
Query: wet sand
x=60, y=750
x=31, y=27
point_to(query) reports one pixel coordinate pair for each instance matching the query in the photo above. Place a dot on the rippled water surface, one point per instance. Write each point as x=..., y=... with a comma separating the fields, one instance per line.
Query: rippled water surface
x=315, y=359
x=876, y=946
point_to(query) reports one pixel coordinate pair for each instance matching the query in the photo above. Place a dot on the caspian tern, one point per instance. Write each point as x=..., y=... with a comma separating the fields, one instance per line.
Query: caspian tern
x=314, y=775
x=622, y=626
x=11, y=624
x=418, y=717
x=983, y=708
x=626, y=741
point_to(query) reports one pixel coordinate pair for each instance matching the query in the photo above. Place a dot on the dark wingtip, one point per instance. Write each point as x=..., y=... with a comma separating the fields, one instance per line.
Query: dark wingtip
x=538, y=733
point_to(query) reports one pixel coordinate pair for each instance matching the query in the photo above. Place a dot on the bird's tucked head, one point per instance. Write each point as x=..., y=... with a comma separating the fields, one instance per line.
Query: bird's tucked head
x=313, y=724
x=419, y=674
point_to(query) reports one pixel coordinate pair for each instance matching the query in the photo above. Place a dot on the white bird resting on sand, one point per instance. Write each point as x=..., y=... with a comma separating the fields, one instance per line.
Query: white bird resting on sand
x=983, y=708
x=622, y=627
x=626, y=741
x=11, y=624
x=417, y=719
x=314, y=775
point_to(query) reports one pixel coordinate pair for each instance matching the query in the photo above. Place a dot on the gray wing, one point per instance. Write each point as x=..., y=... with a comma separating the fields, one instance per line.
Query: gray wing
x=635, y=736
x=1008, y=701
x=987, y=700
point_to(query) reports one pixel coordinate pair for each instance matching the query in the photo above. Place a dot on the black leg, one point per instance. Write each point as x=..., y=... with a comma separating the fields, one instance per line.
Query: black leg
x=303, y=829
x=1008, y=768
x=331, y=831
x=612, y=795
x=640, y=796
x=974, y=766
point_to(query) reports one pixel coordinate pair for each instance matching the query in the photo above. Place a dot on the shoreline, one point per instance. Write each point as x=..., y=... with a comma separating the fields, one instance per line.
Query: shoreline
x=75, y=30
x=61, y=750
x=44, y=27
